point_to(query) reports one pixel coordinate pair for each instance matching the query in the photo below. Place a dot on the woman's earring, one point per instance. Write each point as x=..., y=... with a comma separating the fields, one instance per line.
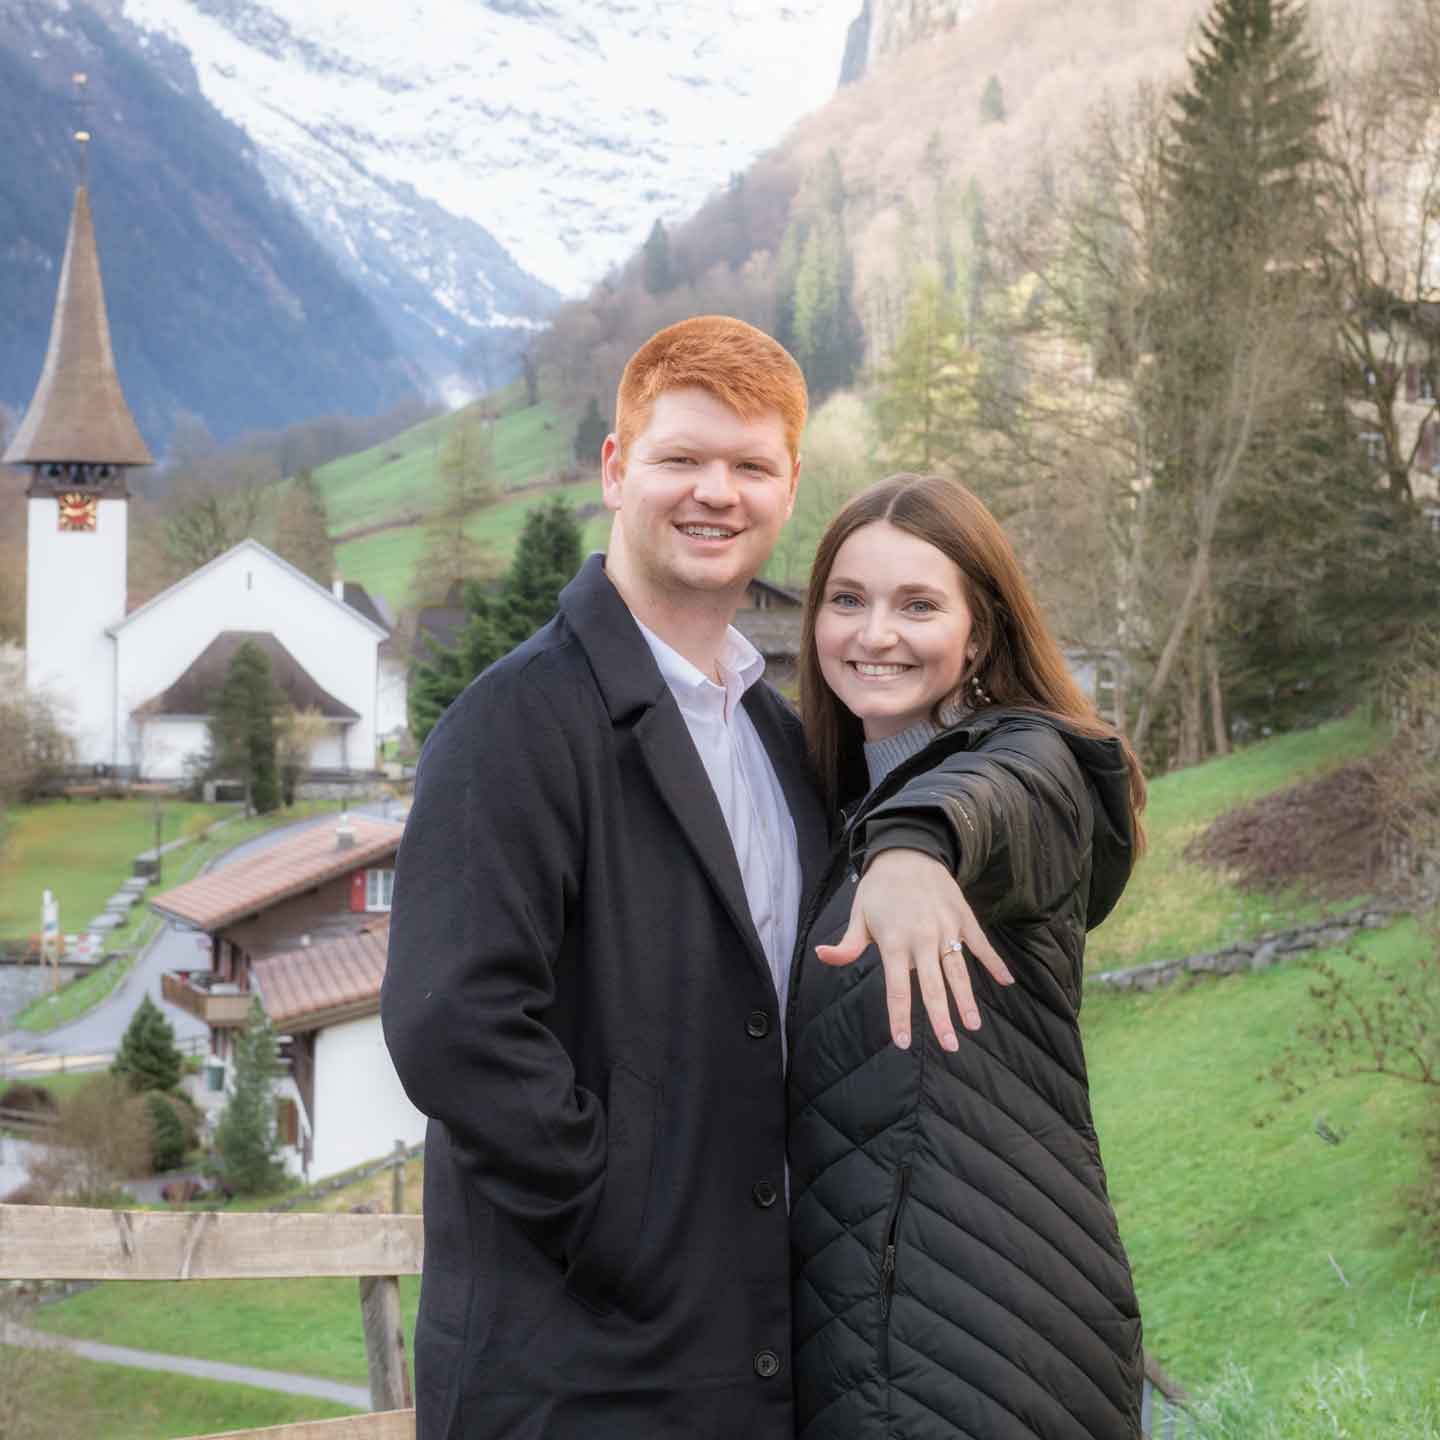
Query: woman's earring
x=976, y=694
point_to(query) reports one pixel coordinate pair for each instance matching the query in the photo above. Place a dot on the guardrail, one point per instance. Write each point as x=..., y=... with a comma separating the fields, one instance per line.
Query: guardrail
x=47, y=1242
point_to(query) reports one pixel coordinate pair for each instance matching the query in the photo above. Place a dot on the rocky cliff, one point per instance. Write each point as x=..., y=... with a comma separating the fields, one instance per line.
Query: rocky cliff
x=886, y=27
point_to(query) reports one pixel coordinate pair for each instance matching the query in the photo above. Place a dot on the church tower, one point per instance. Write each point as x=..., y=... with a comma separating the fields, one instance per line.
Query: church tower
x=79, y=440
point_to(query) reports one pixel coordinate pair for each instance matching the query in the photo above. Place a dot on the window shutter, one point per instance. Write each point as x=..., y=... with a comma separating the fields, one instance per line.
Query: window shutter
x=357, y=891
x=1425, y=454
x=1412, y=382
x=287, y=1122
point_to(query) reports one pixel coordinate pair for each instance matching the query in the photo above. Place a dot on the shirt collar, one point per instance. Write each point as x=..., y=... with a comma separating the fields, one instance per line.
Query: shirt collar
x=740, y=665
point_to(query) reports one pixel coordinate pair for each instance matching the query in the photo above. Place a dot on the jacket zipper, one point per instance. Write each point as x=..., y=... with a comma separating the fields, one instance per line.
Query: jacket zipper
x=887, y=1260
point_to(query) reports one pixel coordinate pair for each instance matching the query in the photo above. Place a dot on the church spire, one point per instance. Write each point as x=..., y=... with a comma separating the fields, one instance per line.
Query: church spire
x=78, y=416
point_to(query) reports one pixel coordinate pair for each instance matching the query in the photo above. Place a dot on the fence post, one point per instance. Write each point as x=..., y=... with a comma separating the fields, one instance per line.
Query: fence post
x=385, y=1343
x=397, y=1179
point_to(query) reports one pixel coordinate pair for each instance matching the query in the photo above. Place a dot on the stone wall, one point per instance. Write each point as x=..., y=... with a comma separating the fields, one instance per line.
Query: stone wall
x=1257, y=954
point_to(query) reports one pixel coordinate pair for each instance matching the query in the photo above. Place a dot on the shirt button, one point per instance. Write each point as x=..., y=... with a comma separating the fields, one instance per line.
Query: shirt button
x=767, y=1364
x=765, y=1194
x=757, y=1025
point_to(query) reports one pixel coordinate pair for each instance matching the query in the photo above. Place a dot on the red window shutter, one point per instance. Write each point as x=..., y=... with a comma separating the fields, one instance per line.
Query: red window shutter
x=1412, y=382
x=357, y=890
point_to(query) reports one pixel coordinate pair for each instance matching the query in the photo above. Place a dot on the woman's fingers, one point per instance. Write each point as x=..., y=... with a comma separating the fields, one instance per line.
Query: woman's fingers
x=984, y=951
x=937, y=1002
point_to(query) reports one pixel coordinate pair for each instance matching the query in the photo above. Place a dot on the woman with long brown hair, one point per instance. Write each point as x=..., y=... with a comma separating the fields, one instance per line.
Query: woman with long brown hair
x=958, y=1271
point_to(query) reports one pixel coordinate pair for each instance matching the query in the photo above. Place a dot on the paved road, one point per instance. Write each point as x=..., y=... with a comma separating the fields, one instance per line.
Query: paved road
x=175, y=949
x=357, y=1396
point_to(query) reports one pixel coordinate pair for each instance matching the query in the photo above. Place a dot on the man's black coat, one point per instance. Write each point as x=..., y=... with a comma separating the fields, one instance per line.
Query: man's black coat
x=577, y=997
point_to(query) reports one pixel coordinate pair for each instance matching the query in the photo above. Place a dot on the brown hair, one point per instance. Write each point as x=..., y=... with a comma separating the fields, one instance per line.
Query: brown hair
x=1017, y=659
x=738, y=364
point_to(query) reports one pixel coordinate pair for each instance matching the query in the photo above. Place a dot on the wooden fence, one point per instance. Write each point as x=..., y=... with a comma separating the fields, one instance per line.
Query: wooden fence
x=45, y=1242
x=41, y=1242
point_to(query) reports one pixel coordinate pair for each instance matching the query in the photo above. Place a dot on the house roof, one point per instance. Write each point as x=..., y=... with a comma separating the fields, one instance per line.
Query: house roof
x=337, y=979
x=787, y=599
x=774, y=633
x=78, y=412
x=261, y=553
x=296, y=864
x=195, y=691
x=357, y=597
x=442, y=623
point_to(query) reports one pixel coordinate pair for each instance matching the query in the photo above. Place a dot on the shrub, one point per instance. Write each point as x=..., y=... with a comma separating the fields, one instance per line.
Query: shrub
x=167, y=1134
x=101, y=1140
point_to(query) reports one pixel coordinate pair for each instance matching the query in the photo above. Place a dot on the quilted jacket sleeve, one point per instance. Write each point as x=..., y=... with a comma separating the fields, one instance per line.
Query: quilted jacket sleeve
x=1011, y=817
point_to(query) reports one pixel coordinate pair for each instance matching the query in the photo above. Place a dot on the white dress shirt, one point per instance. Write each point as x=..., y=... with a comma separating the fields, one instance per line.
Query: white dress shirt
x=751, y=800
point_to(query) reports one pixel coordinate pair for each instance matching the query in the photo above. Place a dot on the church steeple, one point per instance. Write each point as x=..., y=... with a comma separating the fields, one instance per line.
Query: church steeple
x=78, y=431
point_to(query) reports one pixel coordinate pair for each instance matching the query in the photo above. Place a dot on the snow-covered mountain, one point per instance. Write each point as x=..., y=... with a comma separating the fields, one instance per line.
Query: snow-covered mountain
x=563, y=128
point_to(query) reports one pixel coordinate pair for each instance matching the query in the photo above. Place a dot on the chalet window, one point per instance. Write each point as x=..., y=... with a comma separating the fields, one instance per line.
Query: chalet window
x=1373, y=443
x=1425, y=384
x=379, y=887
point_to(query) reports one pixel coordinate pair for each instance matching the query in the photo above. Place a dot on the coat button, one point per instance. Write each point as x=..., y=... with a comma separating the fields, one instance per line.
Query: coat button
x=757, y=1024
x=767, y=1364
x=765, y=1194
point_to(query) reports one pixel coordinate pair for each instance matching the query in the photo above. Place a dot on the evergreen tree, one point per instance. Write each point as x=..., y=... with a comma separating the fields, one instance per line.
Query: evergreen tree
x=167, y=1134
x=302, y=529
x=546, y=558
x=816, y=317
x=468, y=483
x=246, y=1139
x=925, y=403
x=590, y=434
x=992, y=102
x=242, y=727
x=659, y=265
x=148, y=1057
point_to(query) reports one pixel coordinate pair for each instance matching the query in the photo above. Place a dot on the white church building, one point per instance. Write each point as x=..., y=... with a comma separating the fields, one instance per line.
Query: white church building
x=136, y=688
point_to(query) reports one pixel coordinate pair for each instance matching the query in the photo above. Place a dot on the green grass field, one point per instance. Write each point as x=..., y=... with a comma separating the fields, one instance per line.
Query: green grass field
x=401, y=477
x=1174, y=907
x=1230, y=1204
x=82, y=849
x=87, y=991
x=309, y=1327
x=385, y=562
x=82, y=1398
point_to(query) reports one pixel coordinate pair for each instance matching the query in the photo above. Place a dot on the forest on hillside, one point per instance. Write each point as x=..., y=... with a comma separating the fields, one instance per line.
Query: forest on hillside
x=1166, y=305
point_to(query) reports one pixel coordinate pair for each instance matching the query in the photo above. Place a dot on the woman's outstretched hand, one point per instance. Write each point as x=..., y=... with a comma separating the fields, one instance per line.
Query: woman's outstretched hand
x=909, y=905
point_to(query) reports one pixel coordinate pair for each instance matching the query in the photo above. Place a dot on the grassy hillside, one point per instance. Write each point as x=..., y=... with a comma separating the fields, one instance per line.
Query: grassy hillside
x=378, y=498
x=1175, y=907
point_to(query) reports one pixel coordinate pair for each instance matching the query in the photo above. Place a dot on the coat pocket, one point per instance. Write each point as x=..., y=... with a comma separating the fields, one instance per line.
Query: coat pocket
x=597, y=1272
x=890, y=1259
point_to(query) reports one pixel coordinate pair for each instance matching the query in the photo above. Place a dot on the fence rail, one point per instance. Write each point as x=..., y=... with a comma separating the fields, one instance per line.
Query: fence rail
x=48, y=1242
x=39, y=1242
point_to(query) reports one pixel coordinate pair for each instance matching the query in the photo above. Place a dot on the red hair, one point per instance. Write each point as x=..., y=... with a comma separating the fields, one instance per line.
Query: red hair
x=740, y=366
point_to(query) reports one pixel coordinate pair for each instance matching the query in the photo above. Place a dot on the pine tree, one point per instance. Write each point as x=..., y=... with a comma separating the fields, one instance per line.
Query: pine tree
x=546, y=558
x=246, y=1139
x=167, y=1134
x=468, y=483
x=992, y=102
x=302, y=528
x=659, y=267
x=148, y=1057
x=590, y=434
x=925, y=403
x=242, y=727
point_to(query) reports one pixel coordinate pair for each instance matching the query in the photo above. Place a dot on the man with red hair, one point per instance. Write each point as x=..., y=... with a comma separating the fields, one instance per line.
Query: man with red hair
x=595, y=906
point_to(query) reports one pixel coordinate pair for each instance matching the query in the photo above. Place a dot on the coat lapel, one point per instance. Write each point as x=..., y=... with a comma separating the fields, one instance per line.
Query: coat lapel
x=680, y=777
x=636, y=695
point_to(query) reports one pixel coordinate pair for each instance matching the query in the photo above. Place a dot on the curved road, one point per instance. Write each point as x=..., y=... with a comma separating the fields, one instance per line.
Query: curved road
x=175, y=948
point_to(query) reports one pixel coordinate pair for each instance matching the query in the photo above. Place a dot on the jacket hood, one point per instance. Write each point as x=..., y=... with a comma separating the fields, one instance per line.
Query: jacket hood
x=1102, y=763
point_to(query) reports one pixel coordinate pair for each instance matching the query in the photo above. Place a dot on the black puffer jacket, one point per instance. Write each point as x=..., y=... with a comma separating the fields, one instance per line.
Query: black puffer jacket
x=958, y=1272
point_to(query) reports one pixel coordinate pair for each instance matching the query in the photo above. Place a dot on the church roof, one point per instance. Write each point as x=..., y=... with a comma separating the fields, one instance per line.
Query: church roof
x=78, y=412
x=195, y=691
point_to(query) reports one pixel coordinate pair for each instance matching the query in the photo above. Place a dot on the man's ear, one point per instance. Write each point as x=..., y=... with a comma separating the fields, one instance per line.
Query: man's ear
x=612, y=471
x=794, y=488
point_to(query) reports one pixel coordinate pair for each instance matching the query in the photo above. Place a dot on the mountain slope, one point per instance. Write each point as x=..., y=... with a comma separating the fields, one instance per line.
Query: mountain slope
x=220, y=302
x=563, y=127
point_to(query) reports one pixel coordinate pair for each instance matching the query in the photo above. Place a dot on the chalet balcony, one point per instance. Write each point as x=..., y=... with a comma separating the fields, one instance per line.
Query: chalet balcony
x=198, y=993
